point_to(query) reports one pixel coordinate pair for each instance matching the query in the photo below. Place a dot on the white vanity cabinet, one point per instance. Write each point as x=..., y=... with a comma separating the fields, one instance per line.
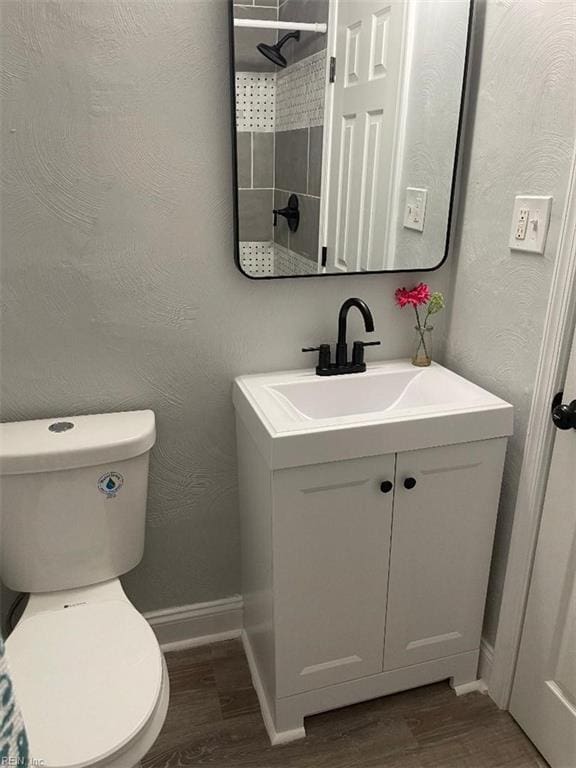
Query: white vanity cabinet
x=331, y=545
x=442, y=536
x=365, y=575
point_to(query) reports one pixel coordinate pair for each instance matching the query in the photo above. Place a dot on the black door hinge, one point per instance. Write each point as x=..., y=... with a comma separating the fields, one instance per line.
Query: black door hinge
x=324, y=255
x=332, y=75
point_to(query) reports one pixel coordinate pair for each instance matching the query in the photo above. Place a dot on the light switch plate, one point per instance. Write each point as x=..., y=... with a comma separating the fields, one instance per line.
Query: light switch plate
x=415, y=208
x=530, y=222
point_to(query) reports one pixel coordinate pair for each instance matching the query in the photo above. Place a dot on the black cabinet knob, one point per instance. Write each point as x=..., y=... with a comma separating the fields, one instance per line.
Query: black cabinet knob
x=386, y=486
x=409, y=483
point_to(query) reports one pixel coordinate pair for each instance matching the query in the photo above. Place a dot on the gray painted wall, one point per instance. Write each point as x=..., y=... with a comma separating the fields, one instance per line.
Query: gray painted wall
x=119, y=289
x=524, y=119
x=118, y=286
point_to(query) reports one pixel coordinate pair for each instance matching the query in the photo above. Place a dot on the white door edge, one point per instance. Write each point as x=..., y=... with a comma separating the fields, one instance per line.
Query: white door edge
x=556, y=343
x=327, y=130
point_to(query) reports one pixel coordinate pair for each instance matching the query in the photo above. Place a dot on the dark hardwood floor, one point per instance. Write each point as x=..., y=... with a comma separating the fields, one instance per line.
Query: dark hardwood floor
x=214, y=720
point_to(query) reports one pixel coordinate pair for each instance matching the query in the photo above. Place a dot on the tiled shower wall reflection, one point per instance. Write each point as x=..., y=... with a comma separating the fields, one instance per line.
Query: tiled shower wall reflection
x=279, y=116
x=255, y=106
x=298, y=153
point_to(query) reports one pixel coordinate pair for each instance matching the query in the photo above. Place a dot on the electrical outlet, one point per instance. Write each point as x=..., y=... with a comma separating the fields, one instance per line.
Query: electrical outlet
x=530, y=221
x=522, y=224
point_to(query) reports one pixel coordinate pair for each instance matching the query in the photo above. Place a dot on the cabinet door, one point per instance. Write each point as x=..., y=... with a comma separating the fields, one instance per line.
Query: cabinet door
x=331, y=552
x=442, y=537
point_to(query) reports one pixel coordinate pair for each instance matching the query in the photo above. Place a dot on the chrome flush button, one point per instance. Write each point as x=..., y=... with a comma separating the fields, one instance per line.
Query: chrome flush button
x=61, y=426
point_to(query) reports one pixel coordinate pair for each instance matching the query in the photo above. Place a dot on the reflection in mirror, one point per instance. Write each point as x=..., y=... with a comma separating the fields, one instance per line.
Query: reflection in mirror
x=347, y=120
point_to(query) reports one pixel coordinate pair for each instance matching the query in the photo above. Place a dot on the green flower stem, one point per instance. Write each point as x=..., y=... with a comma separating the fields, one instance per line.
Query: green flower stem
x=421, y=331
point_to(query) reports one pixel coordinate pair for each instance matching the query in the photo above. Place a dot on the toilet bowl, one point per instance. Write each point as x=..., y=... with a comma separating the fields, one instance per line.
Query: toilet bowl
x=90, y=678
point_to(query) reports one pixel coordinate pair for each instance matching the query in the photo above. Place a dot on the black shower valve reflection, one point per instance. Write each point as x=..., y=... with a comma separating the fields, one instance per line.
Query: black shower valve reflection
x=291, y=213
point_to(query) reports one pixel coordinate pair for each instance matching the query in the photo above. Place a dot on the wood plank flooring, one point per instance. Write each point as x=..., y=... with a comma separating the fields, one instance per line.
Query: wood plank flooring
x=214, y=720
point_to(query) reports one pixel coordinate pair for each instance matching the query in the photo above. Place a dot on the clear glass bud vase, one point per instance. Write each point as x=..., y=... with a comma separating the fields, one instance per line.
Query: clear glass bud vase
x=422, y=346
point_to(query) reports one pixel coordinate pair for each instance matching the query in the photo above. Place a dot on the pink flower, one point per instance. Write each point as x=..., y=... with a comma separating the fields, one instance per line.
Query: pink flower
x=416, y=297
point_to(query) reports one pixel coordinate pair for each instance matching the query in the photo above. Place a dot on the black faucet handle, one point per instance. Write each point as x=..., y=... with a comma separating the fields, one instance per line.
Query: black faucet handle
x=291, y=213
x=323, y=357
x=358, y=350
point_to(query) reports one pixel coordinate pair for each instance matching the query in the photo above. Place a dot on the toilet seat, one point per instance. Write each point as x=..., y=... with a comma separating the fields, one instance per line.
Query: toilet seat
x=88, y=679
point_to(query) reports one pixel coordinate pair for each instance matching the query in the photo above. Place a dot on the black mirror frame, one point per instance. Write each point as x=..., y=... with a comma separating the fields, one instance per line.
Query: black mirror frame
x=456, y=170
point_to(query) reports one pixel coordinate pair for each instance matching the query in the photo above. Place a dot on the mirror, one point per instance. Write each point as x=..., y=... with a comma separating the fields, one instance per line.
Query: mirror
x=347, y=116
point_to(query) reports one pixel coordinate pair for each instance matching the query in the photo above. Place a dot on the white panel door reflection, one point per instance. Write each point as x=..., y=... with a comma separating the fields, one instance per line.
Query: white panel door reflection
x=370, y=42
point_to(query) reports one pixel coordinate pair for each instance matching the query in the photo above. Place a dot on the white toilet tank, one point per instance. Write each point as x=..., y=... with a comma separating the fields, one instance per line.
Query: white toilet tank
x=73, y=499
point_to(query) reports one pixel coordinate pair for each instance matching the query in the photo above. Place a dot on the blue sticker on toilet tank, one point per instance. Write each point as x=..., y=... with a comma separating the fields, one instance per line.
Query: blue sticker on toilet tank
x=110, y=483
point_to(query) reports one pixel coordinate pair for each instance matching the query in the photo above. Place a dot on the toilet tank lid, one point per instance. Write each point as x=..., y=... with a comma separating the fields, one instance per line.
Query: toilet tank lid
x=71, y=442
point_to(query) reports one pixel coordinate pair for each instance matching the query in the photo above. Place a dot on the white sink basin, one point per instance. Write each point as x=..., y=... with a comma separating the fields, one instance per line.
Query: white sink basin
x=392, y=407
x=347, y=395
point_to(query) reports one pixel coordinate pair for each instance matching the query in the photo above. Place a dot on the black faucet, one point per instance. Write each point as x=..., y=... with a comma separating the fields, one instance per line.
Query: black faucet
x=342, y=365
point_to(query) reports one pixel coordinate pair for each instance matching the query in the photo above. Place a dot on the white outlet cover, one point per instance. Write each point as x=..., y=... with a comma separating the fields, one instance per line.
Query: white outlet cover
x=528, y=234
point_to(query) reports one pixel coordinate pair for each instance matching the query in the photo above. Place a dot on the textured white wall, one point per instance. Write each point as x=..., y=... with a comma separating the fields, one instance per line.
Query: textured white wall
x=118, y=284
x=521, y=142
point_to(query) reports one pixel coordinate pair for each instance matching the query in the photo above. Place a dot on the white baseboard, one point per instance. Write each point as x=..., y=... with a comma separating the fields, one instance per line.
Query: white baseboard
x=275, y=738
x=485, y=662
x=191, y=625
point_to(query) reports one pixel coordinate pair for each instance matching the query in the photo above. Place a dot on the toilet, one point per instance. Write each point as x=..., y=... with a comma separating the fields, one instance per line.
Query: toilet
x=87, y=669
